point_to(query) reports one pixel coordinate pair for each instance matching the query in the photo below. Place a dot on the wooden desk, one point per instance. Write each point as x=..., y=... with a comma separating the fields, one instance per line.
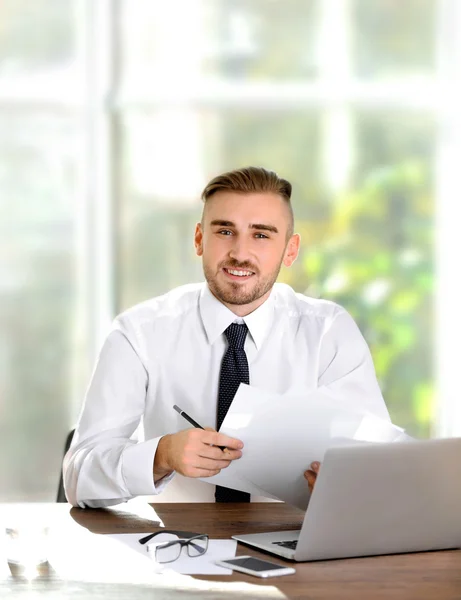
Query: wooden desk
x=421, y=576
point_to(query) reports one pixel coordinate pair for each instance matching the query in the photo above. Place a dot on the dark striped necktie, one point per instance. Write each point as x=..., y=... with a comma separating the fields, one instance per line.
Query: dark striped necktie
x=234, y=371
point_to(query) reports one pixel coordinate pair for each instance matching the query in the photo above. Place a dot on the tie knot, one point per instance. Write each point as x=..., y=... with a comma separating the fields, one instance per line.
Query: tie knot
x=236, y=335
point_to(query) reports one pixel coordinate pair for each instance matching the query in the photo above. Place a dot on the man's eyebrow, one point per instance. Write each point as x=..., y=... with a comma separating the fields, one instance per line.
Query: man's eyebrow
x=264, y=227
x=260, y=226
x=221, y=223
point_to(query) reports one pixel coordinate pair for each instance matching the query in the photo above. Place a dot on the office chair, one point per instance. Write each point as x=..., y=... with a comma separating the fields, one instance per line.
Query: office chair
x=61, y=497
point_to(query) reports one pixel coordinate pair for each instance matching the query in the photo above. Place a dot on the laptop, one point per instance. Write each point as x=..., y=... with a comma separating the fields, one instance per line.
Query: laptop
x=377, y=498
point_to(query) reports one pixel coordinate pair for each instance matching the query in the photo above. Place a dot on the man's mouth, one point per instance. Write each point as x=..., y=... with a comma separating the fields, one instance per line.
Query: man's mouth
x=238, y=273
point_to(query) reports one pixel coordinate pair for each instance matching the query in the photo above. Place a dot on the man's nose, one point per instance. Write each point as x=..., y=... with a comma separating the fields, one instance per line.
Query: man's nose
x=239, y=251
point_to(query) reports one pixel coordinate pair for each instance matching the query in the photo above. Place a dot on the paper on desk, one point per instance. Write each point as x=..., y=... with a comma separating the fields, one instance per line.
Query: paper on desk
x=283, y=435
x=199, y=565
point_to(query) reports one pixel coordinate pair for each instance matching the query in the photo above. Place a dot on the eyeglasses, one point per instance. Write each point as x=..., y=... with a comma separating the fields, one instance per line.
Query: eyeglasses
x=170, y=550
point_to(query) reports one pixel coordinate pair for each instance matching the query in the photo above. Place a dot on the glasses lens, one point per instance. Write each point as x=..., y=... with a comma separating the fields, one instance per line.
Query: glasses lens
x=167, y=552
x=197, y=545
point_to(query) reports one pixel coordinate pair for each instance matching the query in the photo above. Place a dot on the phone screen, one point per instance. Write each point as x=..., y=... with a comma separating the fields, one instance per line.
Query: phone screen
x=254, y=564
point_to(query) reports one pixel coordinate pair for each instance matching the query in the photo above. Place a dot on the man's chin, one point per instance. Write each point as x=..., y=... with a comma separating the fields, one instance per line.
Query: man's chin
x=238, y=301
x=237, y=297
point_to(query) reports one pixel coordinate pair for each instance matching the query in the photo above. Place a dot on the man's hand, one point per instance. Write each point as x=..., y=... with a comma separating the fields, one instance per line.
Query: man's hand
x=311, y=475
x=194, y=453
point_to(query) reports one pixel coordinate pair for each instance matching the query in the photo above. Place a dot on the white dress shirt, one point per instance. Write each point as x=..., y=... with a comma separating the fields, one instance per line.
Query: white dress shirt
x=168, y=351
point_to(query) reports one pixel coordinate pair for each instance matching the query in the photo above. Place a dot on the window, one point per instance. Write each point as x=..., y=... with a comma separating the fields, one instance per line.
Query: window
x=113, y=116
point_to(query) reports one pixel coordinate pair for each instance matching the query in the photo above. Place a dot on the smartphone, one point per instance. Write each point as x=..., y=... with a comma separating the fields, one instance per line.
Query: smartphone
x=255, y=566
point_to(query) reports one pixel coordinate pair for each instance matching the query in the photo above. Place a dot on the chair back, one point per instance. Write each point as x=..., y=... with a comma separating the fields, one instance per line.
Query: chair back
x=61, y=497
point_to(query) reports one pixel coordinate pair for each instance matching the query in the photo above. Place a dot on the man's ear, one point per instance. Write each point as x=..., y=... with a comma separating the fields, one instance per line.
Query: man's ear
x=198, y=239
x=292, y=249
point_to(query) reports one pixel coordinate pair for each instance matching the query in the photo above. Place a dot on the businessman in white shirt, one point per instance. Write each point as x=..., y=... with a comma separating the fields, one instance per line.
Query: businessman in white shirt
x=182, y=348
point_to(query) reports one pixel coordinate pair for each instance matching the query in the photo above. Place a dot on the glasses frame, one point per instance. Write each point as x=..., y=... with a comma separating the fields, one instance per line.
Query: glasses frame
x=187, y=540
x=184, y=535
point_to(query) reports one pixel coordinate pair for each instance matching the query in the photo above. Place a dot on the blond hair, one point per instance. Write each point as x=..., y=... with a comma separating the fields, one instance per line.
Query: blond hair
x=251, y=180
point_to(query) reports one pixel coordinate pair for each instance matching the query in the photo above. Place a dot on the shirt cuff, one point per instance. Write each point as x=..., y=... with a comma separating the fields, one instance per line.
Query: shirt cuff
x=138, y=469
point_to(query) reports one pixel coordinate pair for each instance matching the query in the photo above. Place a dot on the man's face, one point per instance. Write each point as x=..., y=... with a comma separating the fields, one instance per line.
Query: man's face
x=243, y=241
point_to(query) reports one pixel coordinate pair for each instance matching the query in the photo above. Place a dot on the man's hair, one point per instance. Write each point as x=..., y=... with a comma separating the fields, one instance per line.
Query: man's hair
x=250, y=180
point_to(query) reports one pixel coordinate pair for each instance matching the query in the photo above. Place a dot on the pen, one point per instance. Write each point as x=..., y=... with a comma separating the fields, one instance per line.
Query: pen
x=191, y=420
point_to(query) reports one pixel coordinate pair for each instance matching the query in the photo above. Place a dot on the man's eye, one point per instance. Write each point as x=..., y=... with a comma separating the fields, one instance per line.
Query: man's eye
x=261, y=236
x=225, y=232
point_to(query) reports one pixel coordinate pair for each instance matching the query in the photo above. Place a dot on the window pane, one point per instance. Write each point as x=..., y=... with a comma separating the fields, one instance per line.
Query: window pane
x=39, y=332
x=394, y=38
x=181, y=41
x=159, y=206
x=379, y=259
x=36, y=35
x=246, y=39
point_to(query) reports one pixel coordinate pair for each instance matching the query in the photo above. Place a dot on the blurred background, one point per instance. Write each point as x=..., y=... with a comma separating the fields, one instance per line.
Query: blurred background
x=115, y=113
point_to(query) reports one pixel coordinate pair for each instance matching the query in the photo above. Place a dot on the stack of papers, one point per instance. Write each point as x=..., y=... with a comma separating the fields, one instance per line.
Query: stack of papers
x=283, y=435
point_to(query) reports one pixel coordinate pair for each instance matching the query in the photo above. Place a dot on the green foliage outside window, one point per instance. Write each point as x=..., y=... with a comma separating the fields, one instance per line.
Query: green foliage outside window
x=373, y=255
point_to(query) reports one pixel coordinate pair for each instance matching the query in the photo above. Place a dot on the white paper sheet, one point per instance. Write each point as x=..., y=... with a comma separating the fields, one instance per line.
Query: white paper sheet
x=199, y=565
x=284, y=434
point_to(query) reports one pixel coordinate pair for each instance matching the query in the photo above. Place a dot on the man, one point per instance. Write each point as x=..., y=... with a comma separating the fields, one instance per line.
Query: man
x=194, y=345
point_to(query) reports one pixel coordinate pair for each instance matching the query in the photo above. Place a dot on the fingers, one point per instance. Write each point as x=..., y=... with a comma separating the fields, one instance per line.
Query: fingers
x=214, y=452
x=207, y=446
x=310, y=477
x=217, y=454
x=191, y=454
x=194, y=465
x=209, y=464
x=203, y=473
x=311, y=474
x=215, y=438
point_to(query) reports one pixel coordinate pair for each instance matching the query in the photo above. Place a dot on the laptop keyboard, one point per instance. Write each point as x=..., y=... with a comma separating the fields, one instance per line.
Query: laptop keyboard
x=289, y=544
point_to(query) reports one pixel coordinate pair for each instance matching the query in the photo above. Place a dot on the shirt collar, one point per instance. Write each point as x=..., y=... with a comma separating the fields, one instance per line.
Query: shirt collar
x=216, y=317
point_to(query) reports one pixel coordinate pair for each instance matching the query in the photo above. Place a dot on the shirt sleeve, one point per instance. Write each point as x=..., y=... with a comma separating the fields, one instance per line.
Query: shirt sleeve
x=346, y=367
x=104, y=466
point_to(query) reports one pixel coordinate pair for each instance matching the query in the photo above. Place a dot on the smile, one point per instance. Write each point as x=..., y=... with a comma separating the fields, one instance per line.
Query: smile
x=238, y=274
